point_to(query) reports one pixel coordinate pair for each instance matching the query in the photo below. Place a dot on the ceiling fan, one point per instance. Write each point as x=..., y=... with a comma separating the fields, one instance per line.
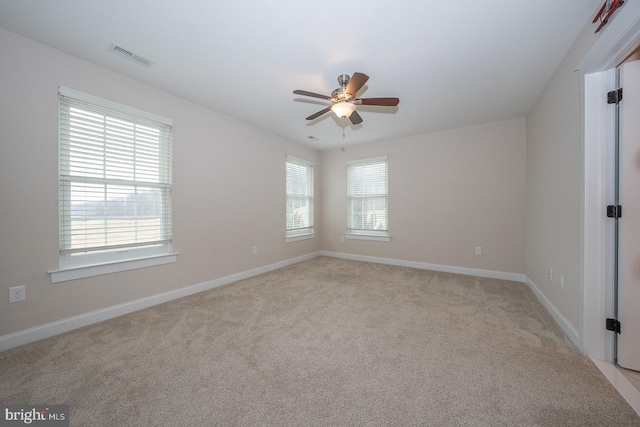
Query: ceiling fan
x=344, y=101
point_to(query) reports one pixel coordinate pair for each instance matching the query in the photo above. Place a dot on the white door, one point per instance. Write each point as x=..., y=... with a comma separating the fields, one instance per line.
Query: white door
x=629, y=223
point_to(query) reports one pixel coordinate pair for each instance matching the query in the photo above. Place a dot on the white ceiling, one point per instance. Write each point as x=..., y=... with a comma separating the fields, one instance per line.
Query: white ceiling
x=452, y=64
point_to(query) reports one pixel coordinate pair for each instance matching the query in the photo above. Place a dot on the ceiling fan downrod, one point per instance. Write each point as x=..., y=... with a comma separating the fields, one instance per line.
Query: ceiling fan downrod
x=341, y=94
x=343, y=80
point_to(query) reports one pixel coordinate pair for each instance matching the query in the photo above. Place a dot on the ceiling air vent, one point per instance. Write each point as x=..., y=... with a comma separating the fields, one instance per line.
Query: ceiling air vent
x=119, y=50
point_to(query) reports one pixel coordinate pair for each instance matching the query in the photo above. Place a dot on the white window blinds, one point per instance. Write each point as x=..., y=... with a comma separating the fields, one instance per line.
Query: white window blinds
x=299, y=199
x=367, y=196
x=114, y=177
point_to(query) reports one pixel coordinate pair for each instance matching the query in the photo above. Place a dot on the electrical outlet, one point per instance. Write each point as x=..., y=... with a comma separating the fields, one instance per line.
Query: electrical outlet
x=341, y=239
x=478, y=250
x=255, y=250
x=17, y=293
x=550, y=274
x=561, y=281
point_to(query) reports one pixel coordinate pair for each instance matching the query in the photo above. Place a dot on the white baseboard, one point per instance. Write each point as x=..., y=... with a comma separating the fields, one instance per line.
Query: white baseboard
x=48, y=330
x=65, y=325
x=502, y=275
x=562, y=321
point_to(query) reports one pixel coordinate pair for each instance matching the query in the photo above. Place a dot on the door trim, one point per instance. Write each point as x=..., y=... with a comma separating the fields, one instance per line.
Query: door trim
x=612, y=46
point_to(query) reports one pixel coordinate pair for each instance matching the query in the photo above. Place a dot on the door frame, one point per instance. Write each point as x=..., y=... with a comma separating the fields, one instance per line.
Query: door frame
x=598, y=77
x=597, y=245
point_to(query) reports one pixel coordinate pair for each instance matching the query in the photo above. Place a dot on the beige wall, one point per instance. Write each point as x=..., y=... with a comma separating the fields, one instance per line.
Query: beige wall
x=554, y=184
x=224, y=170
x=448, y=193
x=512, y=187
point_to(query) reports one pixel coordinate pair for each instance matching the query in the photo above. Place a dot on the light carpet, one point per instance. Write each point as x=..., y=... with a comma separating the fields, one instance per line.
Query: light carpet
x=326, y=342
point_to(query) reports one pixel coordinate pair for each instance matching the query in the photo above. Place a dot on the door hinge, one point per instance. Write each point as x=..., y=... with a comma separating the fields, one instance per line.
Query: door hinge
x=613, y=325
x=614, y=211
x=614, y=97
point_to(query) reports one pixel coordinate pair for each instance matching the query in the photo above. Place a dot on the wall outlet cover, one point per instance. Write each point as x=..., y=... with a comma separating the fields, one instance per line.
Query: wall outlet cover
x=17, y=293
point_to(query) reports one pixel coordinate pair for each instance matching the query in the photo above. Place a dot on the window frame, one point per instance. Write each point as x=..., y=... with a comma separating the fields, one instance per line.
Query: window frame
x=366, y=234
x=74, y=264
x=301, y=233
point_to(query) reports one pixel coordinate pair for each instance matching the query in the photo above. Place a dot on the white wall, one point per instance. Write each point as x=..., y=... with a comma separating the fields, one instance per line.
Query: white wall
x=448, y=193
x=223, y=171
x=555, y=185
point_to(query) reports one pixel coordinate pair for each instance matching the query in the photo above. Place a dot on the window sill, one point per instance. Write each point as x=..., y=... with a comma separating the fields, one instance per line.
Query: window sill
x=72, y=273
x=299, y=237
x=373, y=237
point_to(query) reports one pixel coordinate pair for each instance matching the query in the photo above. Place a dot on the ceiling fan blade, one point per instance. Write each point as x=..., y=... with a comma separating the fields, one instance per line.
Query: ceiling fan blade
x=315, y=95
x=319, y=113
x=356, y=82
x=355, y=118
x=385, y=102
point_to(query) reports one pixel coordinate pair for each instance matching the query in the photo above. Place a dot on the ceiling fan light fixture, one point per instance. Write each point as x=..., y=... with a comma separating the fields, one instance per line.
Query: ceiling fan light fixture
x=344, y=101
x=343, y=109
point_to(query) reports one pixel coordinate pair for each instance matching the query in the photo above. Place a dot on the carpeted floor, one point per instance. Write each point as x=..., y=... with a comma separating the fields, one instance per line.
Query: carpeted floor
x=327, y=342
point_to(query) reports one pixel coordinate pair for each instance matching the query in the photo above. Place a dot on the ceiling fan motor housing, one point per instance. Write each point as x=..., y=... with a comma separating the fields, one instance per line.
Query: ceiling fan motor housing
x=340, y=95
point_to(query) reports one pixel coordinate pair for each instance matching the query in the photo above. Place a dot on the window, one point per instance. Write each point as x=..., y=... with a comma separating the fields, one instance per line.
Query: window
x=114, y=182
x=299, y=200
x=368, y=199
